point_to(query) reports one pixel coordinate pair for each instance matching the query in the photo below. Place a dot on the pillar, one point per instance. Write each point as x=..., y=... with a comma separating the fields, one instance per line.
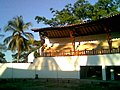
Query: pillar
x=109, y=38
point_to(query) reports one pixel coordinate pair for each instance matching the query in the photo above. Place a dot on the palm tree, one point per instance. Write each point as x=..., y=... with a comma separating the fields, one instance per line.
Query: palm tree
x=19, y=40
x=2, y=46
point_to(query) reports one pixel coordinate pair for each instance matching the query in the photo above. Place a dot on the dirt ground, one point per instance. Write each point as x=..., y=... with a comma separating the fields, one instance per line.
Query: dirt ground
x=58, y=84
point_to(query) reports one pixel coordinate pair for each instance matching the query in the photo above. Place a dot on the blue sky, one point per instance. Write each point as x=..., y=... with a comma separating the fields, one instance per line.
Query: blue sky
x=29, y=9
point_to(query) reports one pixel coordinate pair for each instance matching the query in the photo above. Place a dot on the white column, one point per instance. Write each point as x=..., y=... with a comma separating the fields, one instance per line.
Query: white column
x=40, y=51
x=103, y=72
x=31, y=57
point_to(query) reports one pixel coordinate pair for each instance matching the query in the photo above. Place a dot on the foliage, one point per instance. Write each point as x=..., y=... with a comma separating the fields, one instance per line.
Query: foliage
x=105, y=8
x=23, y=56
x=1, y=35
x=2, y=46
x=81, y=11
x=2, y=59
x=60, y=18
x=36, y=54
x=36, y=46
x=19, y=40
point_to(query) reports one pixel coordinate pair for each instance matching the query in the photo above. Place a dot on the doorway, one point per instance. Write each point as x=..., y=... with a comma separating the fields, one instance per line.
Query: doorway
x=91, y=72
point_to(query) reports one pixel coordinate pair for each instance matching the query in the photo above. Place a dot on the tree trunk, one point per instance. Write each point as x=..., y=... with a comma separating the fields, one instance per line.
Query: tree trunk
x=18, y=56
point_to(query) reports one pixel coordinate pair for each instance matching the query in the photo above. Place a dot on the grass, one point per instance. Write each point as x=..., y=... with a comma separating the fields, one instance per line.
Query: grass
x=43, y=84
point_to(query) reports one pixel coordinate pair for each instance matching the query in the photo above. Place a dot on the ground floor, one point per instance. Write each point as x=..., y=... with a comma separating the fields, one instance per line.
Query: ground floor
x=95, y=72
x=99, y=67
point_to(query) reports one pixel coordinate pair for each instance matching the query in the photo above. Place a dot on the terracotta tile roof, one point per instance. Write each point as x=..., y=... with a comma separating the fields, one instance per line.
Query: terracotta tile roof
x=111, y=23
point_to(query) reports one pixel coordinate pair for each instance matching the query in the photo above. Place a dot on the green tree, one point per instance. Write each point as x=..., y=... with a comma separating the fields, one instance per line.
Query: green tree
x=19, y=40
x=105, y=8
x=60, y=18
x=2, y=59
x=81, y=11
x=2, y=48
x=23, y=56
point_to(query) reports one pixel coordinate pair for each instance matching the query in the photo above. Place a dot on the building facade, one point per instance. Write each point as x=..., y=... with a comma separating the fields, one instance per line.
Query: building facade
x=89, y=50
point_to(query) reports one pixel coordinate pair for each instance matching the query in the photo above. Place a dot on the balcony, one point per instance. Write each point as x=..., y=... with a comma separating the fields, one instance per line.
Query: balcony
x=81, y=53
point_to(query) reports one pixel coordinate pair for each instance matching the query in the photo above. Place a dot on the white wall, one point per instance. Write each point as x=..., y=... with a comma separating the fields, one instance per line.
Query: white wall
x=56, y=67
x=96, y=42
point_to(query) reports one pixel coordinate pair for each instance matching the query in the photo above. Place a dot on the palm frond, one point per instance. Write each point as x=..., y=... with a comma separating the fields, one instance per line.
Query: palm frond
x=29, y=36
x=3, y=47
x=12, y=45
x=19, y=40
x=1, y=35
x=9, y=28
x=7, y=40
x=27, y=25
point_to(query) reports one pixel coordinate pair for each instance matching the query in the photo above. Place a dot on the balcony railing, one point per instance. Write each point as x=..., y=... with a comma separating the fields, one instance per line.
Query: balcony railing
x=81, y=53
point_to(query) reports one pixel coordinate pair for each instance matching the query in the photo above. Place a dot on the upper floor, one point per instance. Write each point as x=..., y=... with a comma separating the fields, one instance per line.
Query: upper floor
x=85, y=45
x=90, y=38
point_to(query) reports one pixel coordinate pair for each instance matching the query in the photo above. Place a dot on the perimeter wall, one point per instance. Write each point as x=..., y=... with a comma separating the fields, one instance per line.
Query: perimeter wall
x=57, y=67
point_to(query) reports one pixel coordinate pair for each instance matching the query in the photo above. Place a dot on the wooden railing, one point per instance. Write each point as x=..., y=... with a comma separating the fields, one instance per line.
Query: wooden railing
x=80, y=53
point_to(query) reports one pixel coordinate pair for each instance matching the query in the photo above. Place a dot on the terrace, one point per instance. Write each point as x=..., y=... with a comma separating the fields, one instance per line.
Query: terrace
x=81, y=53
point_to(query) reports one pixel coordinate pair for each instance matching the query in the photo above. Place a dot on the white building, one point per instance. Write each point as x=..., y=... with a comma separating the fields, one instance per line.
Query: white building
x=81, y=51
x=87, y=50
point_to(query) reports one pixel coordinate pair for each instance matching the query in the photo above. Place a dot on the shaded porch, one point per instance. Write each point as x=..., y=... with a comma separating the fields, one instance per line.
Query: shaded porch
x=80, y=52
